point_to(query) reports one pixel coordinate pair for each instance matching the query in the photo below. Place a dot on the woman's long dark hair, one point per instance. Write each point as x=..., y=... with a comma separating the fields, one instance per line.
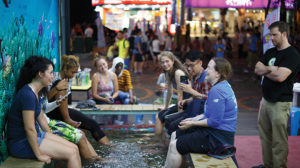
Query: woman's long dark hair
x=33, y=65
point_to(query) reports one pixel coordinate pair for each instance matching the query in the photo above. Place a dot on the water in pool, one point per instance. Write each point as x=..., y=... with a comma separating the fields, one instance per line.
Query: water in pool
x=132, y=148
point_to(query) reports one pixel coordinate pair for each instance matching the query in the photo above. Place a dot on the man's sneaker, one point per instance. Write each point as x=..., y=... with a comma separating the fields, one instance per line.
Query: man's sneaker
x=259, y=166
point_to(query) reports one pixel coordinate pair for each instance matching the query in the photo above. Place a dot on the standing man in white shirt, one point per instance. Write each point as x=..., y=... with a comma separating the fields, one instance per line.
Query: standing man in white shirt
x=88, y=32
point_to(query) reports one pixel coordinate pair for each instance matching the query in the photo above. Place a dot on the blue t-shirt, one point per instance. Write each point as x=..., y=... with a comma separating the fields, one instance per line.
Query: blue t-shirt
x=221, y=107
x=252, y=46
x=137, y=40
x=219, y=50
x=25, y=99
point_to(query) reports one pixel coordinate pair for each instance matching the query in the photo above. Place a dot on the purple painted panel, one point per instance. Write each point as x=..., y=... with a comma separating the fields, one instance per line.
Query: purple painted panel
x=233, y=3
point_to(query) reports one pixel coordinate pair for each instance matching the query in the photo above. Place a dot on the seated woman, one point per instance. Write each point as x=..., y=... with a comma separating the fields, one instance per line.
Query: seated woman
x=25, y=139
x=216, y=126
x=173, y=70
x=68, y=132
x=61, y=86
x=104, y=83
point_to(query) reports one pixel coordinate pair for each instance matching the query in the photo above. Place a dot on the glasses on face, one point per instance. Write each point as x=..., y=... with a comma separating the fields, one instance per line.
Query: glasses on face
x=190, y=65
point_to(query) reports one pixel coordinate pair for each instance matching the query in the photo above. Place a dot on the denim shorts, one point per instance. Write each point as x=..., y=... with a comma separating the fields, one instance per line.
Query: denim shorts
x=22, y=148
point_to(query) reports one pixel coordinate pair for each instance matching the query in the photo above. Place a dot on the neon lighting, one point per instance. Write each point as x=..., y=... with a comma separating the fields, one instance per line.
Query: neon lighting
x=136, y=2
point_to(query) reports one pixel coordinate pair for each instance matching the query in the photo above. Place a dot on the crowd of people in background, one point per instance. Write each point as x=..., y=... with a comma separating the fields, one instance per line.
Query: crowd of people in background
x=204, y=113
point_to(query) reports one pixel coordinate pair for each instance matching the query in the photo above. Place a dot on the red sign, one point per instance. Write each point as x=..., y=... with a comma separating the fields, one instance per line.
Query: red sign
x=131, y=2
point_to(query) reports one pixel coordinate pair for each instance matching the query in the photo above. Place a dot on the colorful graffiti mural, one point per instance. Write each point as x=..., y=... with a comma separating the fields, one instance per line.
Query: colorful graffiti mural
x=28, y=27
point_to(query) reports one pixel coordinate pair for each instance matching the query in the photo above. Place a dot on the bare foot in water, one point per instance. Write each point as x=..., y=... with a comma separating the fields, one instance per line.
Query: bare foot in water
x=107, y=161
x=108, y=144
x=99, y=159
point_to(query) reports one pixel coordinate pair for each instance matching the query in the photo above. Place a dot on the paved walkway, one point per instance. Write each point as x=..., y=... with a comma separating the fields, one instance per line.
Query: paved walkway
x=245, y=86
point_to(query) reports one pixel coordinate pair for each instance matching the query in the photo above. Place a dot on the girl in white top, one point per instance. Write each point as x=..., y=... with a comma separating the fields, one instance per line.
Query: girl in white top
x=156, y=50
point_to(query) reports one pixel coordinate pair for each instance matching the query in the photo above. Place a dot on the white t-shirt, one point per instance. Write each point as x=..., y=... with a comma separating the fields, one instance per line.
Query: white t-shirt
x=168, y=44
x=89, y=32
x=155, y=45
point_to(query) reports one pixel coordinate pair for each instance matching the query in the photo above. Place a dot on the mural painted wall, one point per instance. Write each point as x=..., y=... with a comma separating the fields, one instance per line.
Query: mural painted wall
x=28, y=27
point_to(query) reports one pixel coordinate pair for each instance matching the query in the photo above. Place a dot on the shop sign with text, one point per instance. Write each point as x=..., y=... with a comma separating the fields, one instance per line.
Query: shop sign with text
x=131, y=2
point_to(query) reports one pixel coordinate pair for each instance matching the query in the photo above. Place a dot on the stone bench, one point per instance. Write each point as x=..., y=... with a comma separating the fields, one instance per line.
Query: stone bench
x=12, y=162
x=118, y=109
x=205, y=161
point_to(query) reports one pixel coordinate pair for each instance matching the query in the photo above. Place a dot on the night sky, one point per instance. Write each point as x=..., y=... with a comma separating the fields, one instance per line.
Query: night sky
x=81, y=11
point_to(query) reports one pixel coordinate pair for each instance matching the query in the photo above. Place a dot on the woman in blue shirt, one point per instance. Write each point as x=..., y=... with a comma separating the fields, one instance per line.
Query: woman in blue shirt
x=216, y=126
x=28, y=133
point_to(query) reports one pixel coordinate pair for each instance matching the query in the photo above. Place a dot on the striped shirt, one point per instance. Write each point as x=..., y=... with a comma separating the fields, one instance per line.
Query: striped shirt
x=124, y=81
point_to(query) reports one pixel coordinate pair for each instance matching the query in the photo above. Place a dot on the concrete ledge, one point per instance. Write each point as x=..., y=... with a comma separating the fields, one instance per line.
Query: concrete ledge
x=12, y=162
x=205, y=161
x=122, y=109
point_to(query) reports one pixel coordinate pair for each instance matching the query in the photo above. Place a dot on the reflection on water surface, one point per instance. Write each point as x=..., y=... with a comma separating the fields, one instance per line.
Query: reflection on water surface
x=132, y=148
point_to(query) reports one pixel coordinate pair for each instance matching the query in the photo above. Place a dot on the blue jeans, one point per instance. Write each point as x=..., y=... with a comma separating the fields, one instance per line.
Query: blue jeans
x=123, y=97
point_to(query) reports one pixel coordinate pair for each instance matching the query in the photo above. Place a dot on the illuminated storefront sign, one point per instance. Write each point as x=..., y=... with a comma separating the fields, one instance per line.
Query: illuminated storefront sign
x=239, y=2
x=135, y=2
x=234, y=3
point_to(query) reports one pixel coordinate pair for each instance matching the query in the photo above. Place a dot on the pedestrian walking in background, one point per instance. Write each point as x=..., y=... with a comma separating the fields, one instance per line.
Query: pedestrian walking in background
x=196, y=44
x=228, y=48
x=138, y=53
x=207, y=52
x=219, y=48
x=252, y=51
x=241, y=41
